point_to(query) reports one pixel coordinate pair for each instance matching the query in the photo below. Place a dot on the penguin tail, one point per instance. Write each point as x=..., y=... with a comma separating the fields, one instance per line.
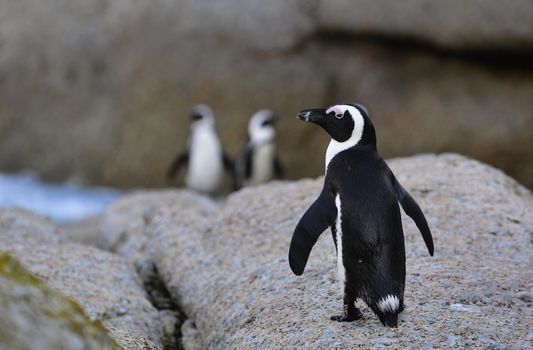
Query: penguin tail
x=387, y=309
x=389, y=320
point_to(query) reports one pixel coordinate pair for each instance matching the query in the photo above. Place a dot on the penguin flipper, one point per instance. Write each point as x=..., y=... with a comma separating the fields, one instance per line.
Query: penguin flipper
x=278, y=168
x=320, y=215
x=180, y=160
x=243, y=165
x=229, y=165
x=248, y=152
x=412, y=209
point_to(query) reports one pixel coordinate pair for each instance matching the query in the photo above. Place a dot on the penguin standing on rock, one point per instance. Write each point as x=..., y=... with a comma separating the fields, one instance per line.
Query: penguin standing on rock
x=204, y=156
x=258, y=162
x=359, y=202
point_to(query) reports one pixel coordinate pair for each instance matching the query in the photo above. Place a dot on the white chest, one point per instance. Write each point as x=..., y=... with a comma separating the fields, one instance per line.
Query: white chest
x=205, y=161
x=335, y=148
x=262, y=164
x=341, y=271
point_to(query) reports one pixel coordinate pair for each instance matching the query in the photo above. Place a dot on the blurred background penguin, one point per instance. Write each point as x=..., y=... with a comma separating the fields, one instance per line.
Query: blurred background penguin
x=258, y=162
x=204, y=156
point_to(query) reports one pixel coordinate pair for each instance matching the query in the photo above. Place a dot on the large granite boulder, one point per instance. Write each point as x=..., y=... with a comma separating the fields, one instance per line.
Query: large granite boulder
x=473, y=25
x=34, y=316
x=103, y=88
x=230, y=274
x=105, y=286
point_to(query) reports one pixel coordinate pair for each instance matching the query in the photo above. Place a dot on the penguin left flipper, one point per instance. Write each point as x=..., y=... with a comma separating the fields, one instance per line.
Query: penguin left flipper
x=320, y=215
x=243, y=166
x=412, y=209
x=181, y=159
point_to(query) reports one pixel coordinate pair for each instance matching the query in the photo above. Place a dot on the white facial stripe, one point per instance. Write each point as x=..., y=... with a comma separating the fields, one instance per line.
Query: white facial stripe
x=204, y=110
x=208, y=118
x=336, y=147
x=337, y=109
x=259, y=133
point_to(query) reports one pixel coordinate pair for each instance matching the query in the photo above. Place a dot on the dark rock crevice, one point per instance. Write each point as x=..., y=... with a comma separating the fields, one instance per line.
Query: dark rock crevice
x=500, y=58
x=160, y=297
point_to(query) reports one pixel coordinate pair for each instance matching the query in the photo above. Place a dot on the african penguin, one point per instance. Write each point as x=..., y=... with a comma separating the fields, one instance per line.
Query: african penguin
x=258, y=162
x=204, y=155
x=359, y=202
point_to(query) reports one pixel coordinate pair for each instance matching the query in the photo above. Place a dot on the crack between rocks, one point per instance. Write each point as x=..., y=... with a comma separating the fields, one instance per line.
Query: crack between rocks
x=492, y=57
x=160, y=297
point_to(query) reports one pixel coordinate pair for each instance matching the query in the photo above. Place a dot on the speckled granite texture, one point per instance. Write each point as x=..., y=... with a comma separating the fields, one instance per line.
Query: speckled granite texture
x=103, y=284
x=227, y=264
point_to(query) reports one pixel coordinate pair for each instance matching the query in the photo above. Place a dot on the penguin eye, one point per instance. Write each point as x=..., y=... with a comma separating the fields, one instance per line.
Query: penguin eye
x=196, y=116
x=340, y=116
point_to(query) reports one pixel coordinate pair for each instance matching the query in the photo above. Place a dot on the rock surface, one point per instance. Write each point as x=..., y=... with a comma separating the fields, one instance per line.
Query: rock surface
x=103, y=88
x=229, y=270
x=33, y=316
x=448, y=24
x=102, y=283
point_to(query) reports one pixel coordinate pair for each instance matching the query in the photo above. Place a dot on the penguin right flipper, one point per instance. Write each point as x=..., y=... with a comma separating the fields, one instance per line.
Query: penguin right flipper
x=412, y=209
x=278, y=168
x=180, y=160
x=320, y=215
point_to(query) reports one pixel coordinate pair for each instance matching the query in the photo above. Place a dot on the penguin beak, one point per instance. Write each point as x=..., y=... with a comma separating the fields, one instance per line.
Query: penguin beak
x=312, y=115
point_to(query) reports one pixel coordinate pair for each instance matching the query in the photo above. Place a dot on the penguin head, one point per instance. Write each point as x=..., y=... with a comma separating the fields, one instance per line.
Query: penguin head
x=343, y=122
x=202, y=115
x=261, y=126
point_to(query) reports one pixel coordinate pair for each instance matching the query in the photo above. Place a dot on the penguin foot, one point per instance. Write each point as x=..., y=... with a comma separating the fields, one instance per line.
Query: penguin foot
x=348, y=315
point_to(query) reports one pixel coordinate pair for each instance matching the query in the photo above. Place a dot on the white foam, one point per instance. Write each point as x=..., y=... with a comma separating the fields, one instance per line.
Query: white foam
x=61, y=202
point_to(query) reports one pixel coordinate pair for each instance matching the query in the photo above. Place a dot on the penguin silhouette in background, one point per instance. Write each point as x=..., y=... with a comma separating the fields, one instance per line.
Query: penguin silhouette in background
x=258, y=162
x=204, y=156
x=359, y=202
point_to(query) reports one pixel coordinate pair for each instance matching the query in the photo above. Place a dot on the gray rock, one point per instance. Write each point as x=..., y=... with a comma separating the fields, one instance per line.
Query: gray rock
x=121, y=228
x=34, y=316
x=454, y=24
x=19, y=225
x=128, y=340
x=122, y=231
x=102, y=283
x=83, y=231
x=230, y=274
x=97, y=95
x=191, y=339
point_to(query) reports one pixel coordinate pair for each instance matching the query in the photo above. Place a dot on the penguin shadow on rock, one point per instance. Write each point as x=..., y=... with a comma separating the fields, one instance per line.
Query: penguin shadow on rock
x=257, y=161
x=204, y=156
x=359, y=203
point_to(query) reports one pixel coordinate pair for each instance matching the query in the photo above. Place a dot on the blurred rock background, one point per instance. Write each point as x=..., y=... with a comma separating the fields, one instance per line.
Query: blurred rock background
x=101, y=89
